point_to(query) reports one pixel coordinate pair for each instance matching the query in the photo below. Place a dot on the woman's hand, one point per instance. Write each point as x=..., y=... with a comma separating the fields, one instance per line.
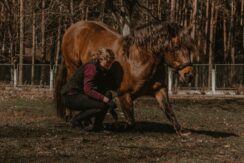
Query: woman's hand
x=105, y=99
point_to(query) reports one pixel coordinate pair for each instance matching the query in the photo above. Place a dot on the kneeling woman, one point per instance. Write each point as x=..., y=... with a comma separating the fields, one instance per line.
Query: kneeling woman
x=86, y=90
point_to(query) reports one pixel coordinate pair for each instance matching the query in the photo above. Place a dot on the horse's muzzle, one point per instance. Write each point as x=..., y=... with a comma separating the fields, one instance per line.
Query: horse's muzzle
x=188, y=77
x=186, y=74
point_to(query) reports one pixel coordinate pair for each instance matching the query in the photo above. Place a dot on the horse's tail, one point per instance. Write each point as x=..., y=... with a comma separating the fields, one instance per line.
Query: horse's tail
x=60, y=81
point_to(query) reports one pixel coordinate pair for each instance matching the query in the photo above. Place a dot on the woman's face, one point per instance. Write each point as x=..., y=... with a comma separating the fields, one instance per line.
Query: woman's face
x=106, y=63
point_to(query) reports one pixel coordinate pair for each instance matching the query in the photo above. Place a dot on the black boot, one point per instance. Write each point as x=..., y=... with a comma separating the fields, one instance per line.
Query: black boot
x=99, y=118
x=81, y=120
x=75, y=123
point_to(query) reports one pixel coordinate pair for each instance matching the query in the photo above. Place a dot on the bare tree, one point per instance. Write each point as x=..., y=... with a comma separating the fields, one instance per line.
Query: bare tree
x=33, y=52
x=232, y=32
x=211, y=33
x=43, y=45
x=21, y=44
x=172, y=10
x=58, y=38
x=242, y=24
x=159, y=9
x=206, y=26
x=71, y=11
x=193, y=19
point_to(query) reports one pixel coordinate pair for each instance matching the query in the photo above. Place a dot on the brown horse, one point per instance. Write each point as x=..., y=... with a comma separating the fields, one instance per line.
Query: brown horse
x=139, y=61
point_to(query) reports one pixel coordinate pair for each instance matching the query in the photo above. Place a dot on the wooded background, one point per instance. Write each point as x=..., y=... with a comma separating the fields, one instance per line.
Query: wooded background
x=31, y=30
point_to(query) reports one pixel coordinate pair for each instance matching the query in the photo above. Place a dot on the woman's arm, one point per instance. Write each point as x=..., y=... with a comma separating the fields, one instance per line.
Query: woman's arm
x=89, y=77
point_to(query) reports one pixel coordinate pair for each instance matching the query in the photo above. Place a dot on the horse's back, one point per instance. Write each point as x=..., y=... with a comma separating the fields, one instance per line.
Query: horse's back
x=84, y=38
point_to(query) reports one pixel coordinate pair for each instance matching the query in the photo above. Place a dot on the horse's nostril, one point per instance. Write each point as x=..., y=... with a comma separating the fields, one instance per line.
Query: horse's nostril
x=188, y=76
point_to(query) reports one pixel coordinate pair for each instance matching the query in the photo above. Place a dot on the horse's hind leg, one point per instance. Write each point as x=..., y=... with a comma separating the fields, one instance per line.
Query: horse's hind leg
x=164, y=104
x=127, y=107
x=70, y=71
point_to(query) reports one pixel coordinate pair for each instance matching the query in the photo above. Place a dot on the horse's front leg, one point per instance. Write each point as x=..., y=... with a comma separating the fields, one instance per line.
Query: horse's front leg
x=163, y=100
x=126, y=104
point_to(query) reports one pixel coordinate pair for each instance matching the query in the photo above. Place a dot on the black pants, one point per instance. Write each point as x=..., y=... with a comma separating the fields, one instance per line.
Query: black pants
x=87, y=106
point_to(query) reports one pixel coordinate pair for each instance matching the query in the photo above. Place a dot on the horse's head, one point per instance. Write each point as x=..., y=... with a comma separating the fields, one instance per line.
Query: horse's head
x=179, y=51
x=171, y=40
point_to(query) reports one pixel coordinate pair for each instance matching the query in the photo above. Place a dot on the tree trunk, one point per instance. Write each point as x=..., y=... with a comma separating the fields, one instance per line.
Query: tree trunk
x=232, y=53
x=185, y=14
x=182, y=12
x=172, y=10
x=87, y=12
x=193, y=24
x=177, y=6
x=58, y=39
x=71, y=11
x=21, y=44
x=43, y=49
x=11, y=54
x=242, y=10
x=101, y=17
x=43, y=31
x=206, y=28
x=232, y=32
x=81, y=6
x=225, y=38
x=159, y=9
x=147, y=17
x=33, y=52
x=242, y=23
x=211, y=33
x=193, y=20
x=3, y=44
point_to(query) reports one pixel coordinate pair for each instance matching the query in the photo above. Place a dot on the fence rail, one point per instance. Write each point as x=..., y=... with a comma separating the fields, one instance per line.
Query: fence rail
x=221, y=78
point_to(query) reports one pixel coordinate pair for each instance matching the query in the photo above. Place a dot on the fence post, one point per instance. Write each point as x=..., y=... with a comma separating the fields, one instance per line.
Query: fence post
x=213, y=80
x=15, y=76
x=51, y=78
x=170, y=78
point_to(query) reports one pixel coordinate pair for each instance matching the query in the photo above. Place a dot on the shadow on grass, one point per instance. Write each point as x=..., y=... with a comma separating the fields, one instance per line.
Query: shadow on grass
x=215, y=134
x=34, y=132
x=147, y=127
x=64, y=130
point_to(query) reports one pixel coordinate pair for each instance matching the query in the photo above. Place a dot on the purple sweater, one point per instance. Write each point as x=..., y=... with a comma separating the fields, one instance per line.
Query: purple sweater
x=89, y=81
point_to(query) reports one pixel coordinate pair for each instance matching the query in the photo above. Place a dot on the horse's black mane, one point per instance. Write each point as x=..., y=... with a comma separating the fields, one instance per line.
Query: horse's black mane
x=154, y=34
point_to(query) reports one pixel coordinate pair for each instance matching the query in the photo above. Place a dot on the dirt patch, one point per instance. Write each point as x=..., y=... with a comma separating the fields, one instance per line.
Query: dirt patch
x=30, y=131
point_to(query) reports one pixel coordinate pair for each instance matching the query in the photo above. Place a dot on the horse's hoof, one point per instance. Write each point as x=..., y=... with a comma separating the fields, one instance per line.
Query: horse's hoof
x=184, y=133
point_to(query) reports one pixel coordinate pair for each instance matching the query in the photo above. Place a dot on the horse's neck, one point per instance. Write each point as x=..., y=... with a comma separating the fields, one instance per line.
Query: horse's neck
x=150, y=37
x=141, y=61
x=139, y=54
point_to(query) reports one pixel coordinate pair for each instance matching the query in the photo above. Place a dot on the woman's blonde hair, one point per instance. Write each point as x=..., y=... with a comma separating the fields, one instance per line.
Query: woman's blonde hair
x=104, y=53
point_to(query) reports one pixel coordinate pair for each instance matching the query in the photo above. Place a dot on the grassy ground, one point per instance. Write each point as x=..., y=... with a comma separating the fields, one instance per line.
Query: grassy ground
x=30, y=132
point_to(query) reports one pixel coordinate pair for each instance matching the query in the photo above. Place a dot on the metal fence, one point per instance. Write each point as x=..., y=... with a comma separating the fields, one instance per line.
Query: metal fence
x=43, y=75
x=221, y=77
